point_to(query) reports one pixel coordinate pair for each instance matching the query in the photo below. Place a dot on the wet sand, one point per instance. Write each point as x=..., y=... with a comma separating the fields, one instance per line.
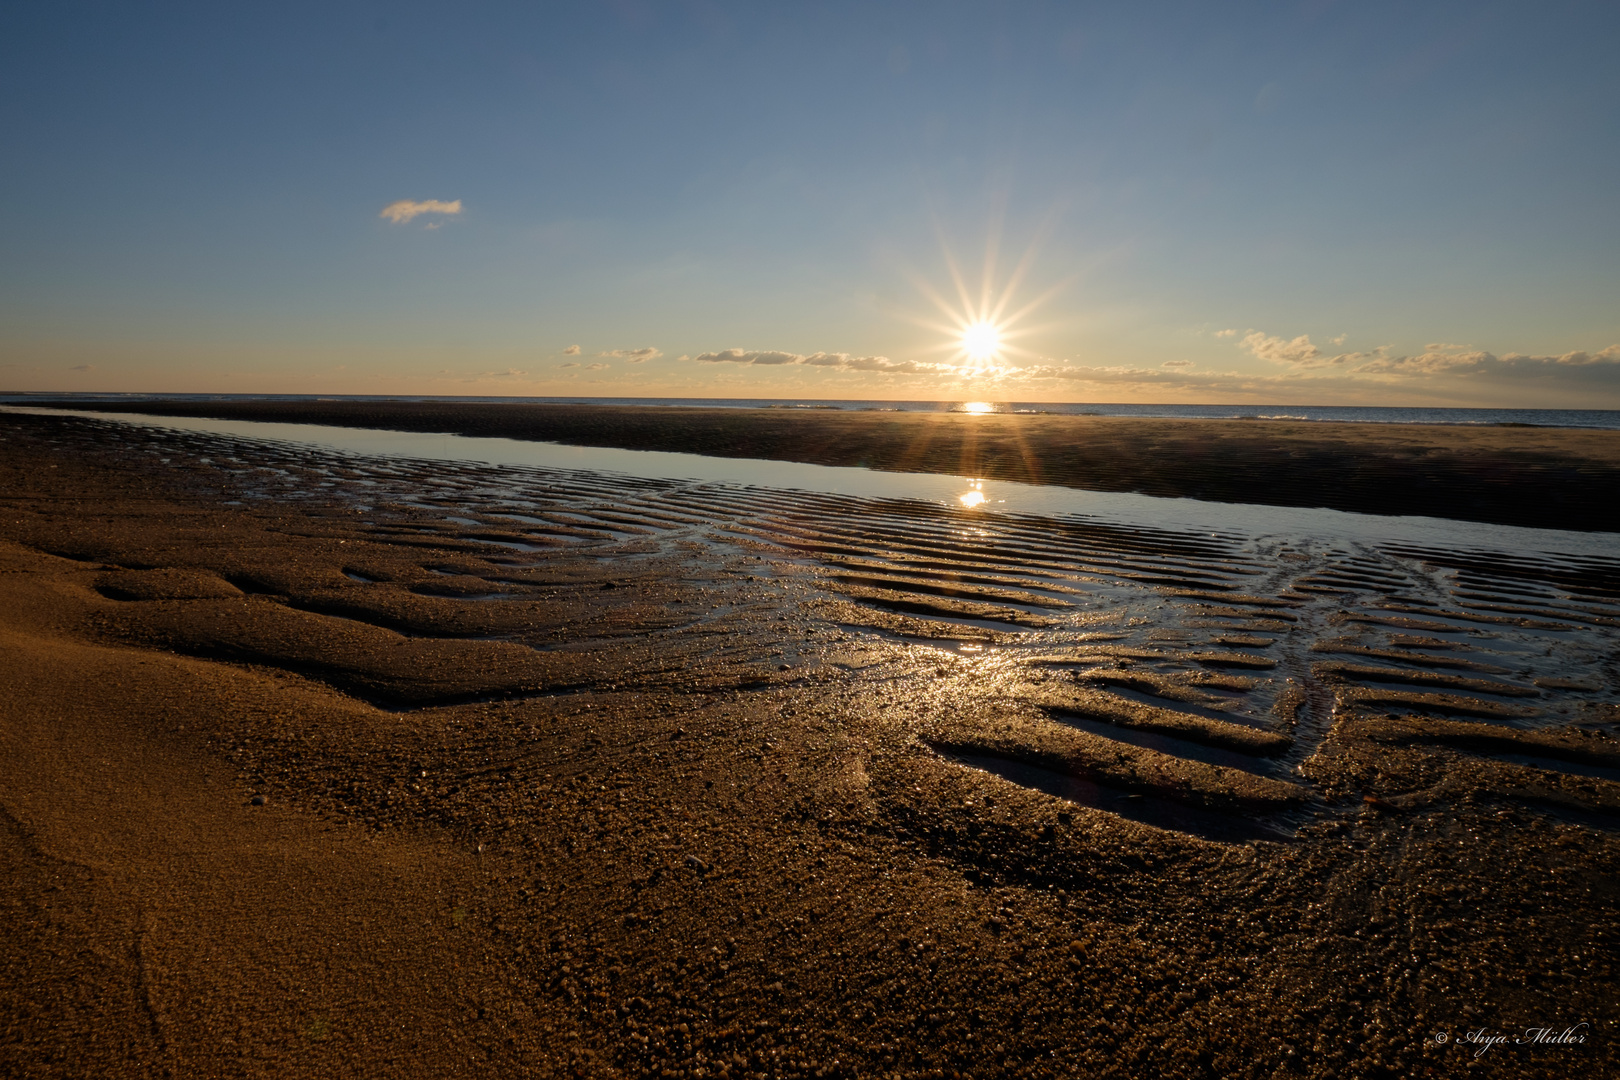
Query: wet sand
x=314, y=765
x=1540, y=477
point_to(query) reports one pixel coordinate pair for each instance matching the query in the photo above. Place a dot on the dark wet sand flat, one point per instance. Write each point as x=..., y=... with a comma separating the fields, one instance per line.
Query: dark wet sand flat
x=321, y=765
x=1542, y=477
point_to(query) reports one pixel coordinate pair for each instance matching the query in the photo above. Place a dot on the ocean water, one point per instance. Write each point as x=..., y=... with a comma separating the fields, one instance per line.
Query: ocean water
x=1362, y=414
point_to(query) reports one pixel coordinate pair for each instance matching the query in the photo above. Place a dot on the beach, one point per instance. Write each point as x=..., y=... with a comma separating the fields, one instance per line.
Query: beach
x=1470, y=473
x=315, y=764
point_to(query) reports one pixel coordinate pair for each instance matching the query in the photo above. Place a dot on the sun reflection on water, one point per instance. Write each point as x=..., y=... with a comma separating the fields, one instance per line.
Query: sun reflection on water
x=975, y=495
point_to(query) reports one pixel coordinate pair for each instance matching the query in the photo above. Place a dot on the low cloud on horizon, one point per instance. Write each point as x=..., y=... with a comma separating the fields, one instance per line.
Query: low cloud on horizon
x=1437, y=358
x=1441, y=370
x=837, y=361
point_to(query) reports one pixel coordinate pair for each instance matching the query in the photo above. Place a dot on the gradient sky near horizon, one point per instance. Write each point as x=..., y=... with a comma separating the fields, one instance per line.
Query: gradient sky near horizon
x=1310, y=203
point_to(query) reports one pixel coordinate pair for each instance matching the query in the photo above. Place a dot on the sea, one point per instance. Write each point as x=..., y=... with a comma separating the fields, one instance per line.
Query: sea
x=1608, y=419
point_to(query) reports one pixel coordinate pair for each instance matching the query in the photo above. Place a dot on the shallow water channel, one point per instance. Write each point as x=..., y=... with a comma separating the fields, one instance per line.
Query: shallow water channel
x=1255, y=522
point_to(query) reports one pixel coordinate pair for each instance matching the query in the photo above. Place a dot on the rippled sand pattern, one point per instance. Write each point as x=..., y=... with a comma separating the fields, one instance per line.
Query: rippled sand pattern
x=1187, y=681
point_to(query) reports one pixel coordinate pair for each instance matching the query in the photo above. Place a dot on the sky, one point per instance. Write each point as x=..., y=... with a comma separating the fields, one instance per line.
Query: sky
x=1290, y=203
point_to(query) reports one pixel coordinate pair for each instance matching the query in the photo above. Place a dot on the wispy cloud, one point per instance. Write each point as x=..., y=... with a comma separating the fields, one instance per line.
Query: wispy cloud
x=1226, y=333
x=1300, y=352
x=765, y=357
x=572, y=350
x=1177, y=364
x=597, y=367
x=82, y=367
x=634, y=356
x=407, y=209
x=1123, y=375
x=839, y=361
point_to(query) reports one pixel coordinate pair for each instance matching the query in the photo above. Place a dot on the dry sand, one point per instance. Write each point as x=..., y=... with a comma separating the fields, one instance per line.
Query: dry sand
x=1451, y=471
x=368, y=779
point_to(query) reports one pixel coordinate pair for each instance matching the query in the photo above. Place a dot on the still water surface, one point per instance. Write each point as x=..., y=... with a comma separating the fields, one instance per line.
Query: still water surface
x=1253, y=521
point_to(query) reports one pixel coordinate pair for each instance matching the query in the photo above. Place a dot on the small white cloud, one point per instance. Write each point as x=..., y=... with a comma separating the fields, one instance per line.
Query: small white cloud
x=572, y=350
x=597, y=367
x=634, y=356
x=570, y=363
x=405, y=209
x=1340, y=340
x=1226, y=333
x=1177, y=364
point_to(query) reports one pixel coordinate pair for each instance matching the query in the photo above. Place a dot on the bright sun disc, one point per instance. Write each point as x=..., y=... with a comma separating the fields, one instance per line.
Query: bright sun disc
x=981, y=340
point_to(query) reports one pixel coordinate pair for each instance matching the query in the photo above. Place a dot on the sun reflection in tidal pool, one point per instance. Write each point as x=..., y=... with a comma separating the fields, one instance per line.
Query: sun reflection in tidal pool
x=974, y=496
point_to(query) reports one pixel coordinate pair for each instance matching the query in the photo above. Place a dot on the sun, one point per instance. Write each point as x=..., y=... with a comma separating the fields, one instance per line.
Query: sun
x=981, y=341
x=982, y=327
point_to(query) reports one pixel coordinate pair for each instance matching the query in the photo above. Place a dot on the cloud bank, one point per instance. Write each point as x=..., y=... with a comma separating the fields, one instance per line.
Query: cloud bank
x=1603, y=365
x=1441, y=371
x=407, y=209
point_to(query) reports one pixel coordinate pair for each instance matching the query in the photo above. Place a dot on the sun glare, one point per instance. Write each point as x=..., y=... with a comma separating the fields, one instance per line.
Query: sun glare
x=981, y=341
x=983, y=325
x=978, y=407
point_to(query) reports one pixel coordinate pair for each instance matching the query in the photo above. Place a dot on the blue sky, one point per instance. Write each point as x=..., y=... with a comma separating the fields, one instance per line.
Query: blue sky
x=1307, y=203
